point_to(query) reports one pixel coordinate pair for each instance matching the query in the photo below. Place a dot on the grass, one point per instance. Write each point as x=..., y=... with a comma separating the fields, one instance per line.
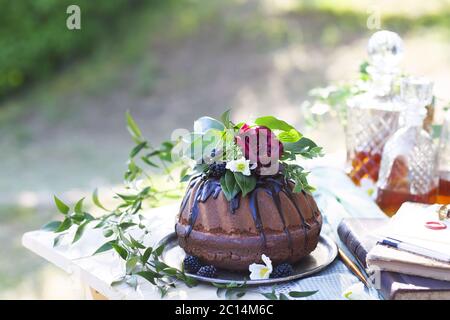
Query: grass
x=104, y=68
x=351, y=18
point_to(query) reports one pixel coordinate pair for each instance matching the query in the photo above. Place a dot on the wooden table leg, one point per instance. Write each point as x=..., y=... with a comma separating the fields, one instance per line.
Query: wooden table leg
x=97, y=295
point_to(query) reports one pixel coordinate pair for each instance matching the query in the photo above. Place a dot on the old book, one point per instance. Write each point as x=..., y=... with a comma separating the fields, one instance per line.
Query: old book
x=412, y=247
x=355, y=234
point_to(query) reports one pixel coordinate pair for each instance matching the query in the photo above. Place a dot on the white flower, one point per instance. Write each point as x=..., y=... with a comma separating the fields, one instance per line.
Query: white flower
x=240, y=165
x=369, y=187
x=356, y=292
x=261, y=271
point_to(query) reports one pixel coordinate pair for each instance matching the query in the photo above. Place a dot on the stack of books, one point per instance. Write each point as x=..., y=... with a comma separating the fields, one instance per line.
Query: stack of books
x=408, y=256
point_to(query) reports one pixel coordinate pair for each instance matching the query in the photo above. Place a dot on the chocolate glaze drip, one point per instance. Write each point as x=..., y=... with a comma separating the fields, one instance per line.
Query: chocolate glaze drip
x=195, y=209
x=314, y=210
x=256, y=216
x=191, y=185
x=272, y=185
x=275, y=193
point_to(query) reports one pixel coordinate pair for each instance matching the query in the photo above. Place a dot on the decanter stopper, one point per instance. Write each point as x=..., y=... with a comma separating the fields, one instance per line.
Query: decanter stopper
x=416, y=93
x=385, y=50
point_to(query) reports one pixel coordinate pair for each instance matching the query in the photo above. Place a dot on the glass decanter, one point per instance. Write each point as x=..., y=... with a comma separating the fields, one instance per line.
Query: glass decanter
x=372, y=117
x=408, y=169
x=444, y=162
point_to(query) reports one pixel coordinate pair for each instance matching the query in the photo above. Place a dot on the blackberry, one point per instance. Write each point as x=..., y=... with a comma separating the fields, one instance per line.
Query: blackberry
x=191, y=264
x=207, y=271
x=282, y=270
x=217, y=170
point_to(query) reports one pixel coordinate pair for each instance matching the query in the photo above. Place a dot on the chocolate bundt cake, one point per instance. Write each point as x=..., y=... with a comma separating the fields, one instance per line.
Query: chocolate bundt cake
x=271, y=220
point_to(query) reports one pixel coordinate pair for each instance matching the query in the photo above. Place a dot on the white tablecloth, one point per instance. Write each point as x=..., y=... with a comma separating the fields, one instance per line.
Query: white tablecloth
x=336, y=196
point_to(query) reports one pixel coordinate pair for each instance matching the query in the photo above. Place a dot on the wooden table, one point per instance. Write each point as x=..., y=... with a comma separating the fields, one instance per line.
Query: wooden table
x=99, y=271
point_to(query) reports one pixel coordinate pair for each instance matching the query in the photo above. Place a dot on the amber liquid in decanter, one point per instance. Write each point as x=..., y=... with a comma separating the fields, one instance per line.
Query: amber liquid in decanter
x=444, y=188
x=390, y=198
x=365, y=164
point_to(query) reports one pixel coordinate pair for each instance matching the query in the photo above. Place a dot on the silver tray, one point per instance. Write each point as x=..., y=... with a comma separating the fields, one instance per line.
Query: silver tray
x=324, y=254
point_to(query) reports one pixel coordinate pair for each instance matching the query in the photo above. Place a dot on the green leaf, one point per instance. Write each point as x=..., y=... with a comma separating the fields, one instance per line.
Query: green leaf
x=133, y=171
x=66, y=224
x=186, y=178
x=149, y=276
x=120, y=250
x=301, y=294
x=136, y=244
x=105, y=247
x=273, y=123
x=131, y=264
x=79, y=207
x=219, y=291
x=79, y=231
x=238, y=125
x=302, y=145
x=158, y=251
x=363, y=68
x=132, y=281
x=150, y=163
x=225, y=118
x=270, y=295
x=88, y=216
x=101, y=224
x=283, y=297
x=183, y=173
x=229, y=185
x=190, y=282
x=203, y=124
x=127, y=197
x=138, y=149
x=133, y=128
x=62, y=207
x=77, y=218
x=246, y=183
x=96, y=200
x=126, y=225
x=288, y=134
x=124, y=238
x=117, y=282
x=170, y=271
x=57, y=240
x=51, y=226
x=108, y=233
x=291, y=136
x=146, y=255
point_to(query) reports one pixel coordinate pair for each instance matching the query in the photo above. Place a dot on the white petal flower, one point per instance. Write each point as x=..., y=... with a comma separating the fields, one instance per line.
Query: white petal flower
x=261, y=271
x=240, y=165
x=356, y=292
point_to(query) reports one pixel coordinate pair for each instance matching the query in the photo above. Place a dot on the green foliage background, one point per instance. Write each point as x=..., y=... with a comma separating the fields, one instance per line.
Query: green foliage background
x=34, y=39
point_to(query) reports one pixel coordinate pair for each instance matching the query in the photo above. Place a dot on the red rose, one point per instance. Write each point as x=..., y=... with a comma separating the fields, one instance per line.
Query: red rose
x=259, y=144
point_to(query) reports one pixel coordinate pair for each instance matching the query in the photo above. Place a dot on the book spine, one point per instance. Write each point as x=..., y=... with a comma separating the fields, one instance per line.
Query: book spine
x=353, y=243
x=347, y=236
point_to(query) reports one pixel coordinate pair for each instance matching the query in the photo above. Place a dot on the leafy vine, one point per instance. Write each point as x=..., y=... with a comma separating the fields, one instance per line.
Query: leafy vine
x=141, y=191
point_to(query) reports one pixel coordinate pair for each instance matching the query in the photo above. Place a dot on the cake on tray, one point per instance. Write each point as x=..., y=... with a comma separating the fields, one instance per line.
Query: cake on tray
x=249, y=200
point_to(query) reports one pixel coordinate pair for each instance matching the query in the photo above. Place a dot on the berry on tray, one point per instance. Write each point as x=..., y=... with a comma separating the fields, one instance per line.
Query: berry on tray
x=282, y=270
x=191, y=264
x=207, y=271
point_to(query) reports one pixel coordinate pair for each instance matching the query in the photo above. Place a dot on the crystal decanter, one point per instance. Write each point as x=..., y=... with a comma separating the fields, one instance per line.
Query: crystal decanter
x=444, y=162
x=372, y=117
x=409, y=161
